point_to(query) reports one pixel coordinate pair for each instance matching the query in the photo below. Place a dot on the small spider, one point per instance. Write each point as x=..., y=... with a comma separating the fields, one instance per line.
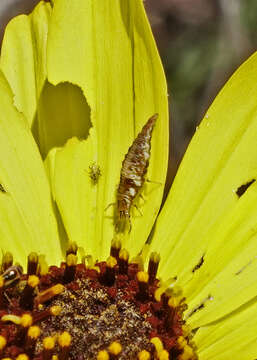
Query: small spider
x=94, y=172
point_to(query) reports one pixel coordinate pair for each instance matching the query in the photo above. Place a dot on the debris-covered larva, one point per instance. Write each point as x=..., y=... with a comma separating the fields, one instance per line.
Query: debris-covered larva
x=133, y=170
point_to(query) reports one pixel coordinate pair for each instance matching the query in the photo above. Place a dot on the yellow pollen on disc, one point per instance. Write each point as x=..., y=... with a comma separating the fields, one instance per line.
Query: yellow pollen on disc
x=57, y=289
x=7, y=260
x=163, y=355
x=188, y=353
x=143, y=355
x=33, y=281
x=115, y=348
x=34, y=332
x=64, y=339
x=111, y=262
x=155, y=257
x=1, y=281
x=116, y=244
x=182, y=342
x=26, y=320
x=124, y=255
x=142, y=276
x=158, y=293
x=22, y=357
x=71, y=260
x=174, y=301
x=48, y=294
x=186, y=330
x=55, y=310
x=72, y=248
x=12, y=318
x=48, y=343
x=54, y=357
x=96, y=268
x=6, y=359
x=43, y=267
x=157, y=344
x=2, y=342
x=33, y=257
x=103, y=355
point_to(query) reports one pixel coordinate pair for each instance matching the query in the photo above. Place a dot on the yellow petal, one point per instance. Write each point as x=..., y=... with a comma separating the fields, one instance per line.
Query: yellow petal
x=234, y=337
x=221, y=157
x=23, y=58
x=27, y=218
x=72, y=184
x=228, y=272
x=111, y=56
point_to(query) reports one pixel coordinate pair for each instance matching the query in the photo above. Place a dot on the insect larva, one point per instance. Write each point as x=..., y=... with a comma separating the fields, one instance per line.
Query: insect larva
x=133, y=170
x=94, y=173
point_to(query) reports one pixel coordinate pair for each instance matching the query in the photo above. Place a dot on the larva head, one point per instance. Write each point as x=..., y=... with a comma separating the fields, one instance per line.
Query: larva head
x=123, y=216
x=123, y=210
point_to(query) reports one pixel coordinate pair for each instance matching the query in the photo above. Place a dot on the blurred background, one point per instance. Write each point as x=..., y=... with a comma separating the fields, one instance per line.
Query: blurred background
x=201, y=43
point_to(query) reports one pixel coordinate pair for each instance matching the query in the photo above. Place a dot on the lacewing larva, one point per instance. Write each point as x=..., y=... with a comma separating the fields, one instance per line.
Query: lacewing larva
x=133, y=171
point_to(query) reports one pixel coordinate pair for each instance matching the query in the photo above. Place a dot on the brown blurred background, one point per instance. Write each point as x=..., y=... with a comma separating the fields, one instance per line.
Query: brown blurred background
x=201, y=43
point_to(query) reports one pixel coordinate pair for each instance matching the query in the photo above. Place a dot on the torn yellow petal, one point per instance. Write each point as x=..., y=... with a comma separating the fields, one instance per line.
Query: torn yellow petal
x=75, y=192
x=232, y=337
x=27, y=218
x=228, y=272
x=150, y=92
x=54, y=113
x=221, y=157
x=111, y=56
x=23, y=58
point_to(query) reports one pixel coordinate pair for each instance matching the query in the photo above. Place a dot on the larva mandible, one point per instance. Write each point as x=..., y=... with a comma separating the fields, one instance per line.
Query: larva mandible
x=133, y=170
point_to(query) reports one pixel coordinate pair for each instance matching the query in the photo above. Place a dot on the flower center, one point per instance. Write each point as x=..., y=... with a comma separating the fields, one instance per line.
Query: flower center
x=107, y=310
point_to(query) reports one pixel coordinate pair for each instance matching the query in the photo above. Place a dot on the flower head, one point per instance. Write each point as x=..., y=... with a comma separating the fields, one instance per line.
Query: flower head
x=78, y=82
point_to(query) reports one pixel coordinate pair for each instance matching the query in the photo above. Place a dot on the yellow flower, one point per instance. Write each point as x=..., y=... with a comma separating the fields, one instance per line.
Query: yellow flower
x=78, y=81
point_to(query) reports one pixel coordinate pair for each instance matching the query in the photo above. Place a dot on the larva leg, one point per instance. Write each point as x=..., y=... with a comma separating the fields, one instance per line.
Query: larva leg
x=140, y=212
x=108, y=206
x=142, y=197
x=153, y=182
x=130, y=225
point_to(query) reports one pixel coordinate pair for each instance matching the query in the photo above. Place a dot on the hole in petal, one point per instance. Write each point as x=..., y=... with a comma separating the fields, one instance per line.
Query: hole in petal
x=199, y=306
x=2, y=189
x=199, y=264
x=63, y=112
x=242, y=189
